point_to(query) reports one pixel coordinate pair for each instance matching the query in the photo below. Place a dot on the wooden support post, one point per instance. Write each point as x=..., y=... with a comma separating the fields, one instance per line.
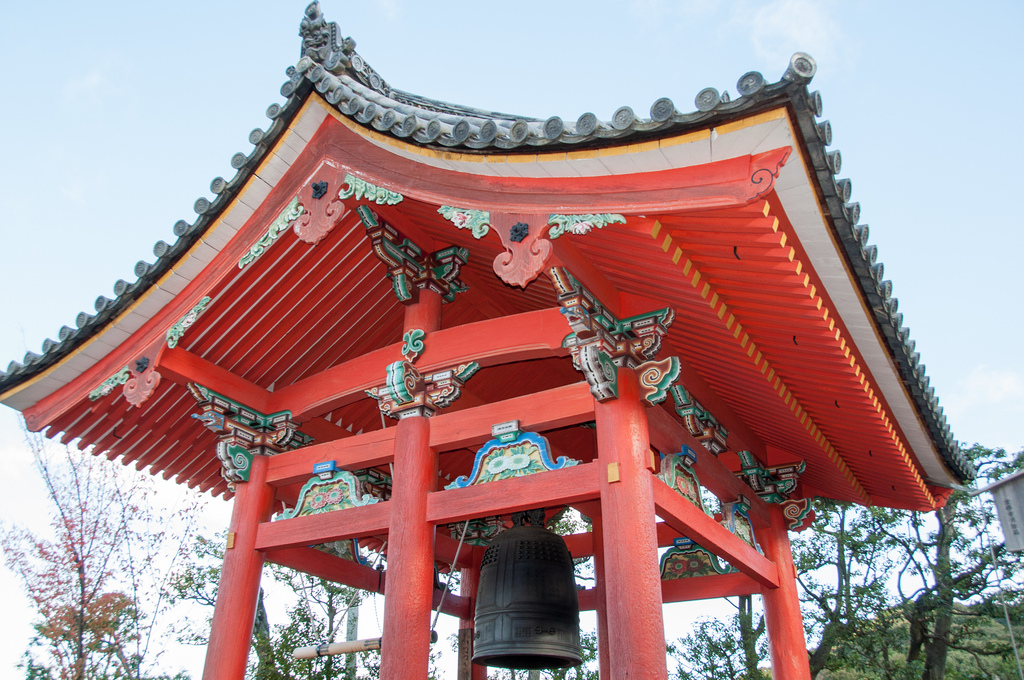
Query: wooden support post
x=782, y=605
x=601, y=606
x=632, y=583
x=409, y=590
x=467, y=670
x=238, y=592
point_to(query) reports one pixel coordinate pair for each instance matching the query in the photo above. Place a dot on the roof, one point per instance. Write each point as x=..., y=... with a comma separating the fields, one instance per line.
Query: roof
x=462, y=139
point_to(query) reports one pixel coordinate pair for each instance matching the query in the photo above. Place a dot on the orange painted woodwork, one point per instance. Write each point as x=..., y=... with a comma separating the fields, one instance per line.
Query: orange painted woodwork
x=365, y=520
x=235, y=610
x=719, y=184
x=691, y=521
x=405, y=643
x=511, y=338
x=357, y=452
x=546, y=489
x=708, y=587
x=322, y=565
x=600, y=600
x=669, y=435
x=538, y=412
x=782, y=615
x=632, y=582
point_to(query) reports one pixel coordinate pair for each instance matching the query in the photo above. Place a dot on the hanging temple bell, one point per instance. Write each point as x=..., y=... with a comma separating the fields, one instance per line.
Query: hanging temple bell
x=527, y=608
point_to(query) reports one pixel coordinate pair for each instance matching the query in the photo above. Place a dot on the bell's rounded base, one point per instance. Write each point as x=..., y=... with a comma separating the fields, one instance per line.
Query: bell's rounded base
x=528, y=662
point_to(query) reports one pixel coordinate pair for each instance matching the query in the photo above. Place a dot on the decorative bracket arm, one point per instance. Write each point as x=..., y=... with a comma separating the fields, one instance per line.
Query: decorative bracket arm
x=773, y=484
x=244, y=432
x=409, y=269
x=407, y=392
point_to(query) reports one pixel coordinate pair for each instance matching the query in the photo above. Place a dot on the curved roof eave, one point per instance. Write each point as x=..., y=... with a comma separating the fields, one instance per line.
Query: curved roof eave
x=331, y=66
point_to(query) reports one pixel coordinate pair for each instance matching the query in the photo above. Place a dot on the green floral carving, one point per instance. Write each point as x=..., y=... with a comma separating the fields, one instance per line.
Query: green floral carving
x=580, y=224
x=467, y=371
x=360, y=188
x=291, y=213
x=108, y=385
x=412, y=344
x=178, y=329
x=478, y=221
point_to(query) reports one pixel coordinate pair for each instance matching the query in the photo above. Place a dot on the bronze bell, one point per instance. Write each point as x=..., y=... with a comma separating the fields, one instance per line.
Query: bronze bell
x=527, y=609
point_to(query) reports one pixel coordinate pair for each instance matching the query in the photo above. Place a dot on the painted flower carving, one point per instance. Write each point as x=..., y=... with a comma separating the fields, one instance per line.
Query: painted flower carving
x=497, y=464
x=518, y=461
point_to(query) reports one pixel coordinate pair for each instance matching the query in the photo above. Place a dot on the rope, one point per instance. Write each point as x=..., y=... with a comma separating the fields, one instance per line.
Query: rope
x=437, y=614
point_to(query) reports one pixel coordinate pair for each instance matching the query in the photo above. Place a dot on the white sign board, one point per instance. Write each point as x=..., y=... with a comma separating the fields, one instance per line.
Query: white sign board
x=1009, y=499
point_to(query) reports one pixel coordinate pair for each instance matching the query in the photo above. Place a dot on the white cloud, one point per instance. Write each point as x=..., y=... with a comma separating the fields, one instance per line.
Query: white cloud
x=779, y=28
x=391, y=9
x=89, y=88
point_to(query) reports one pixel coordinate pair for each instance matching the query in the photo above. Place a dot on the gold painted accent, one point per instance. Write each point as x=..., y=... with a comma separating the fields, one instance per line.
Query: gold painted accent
x=613, y=151
x=774, y=114
x=231, y=540
x=697, y=136
x=651, y=465
x=613, y=473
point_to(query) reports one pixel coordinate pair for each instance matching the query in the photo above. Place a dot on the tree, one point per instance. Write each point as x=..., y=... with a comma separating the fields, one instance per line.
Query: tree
x=721, y=650
x=945, y=564
x=842, y=567
x=96, y=583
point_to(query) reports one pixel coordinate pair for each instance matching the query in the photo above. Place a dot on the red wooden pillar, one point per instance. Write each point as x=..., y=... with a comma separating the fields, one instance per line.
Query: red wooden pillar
x=601, y=600
x=782, y=605
x=408, y=596
x=632, y=583
x=239, y=588
x=467, y=588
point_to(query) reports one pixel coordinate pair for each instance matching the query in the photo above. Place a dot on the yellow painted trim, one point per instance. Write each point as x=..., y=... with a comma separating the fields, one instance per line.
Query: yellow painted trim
x=774, y=114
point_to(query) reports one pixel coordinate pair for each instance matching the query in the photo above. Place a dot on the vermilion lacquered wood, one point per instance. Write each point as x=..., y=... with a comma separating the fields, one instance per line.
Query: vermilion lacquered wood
x=694, y=523
x=366, y=520
x=668, y=435
x=495, y=341
x=183, y=367
x=468, y=586
x=357, y=452
x=632, y=583
x=678, y=590
x=541, y=490
x=583, y=544
x=782, y=605
x=708, y=587
x=405, y=640
x=235, y=610
x=320, y=564
x=584, y=271
x=445, y=548
x=425, y=315
x=547, y=410
x=719, y=184
x=600, y=599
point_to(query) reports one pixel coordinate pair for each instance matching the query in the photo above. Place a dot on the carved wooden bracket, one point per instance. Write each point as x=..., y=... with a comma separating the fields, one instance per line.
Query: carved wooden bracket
x=409, y=269
x=773, y=484
x=600, y=343
x=699, y=421
x=244, y=432
x=407, y=392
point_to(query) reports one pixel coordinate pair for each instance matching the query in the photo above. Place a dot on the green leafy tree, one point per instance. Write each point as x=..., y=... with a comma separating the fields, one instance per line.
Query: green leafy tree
x=945, y=566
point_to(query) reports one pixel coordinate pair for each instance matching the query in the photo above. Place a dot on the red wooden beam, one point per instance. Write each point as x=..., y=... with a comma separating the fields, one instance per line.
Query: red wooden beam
x=708, y=587
x=542, y=490
x=329, y=567
x=688, y=519
x=519, y=337
x=352, y=453
x=668, y=435
x=183, y=367
x=538, y=412
x=367, y=520
x=688, y=589
x=582, y=544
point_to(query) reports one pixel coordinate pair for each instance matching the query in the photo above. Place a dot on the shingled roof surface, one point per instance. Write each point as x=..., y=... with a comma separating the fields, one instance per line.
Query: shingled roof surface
x=330, y=65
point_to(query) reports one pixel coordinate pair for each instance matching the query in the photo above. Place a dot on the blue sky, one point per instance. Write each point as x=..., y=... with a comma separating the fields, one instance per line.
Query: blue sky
x=115, y=117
